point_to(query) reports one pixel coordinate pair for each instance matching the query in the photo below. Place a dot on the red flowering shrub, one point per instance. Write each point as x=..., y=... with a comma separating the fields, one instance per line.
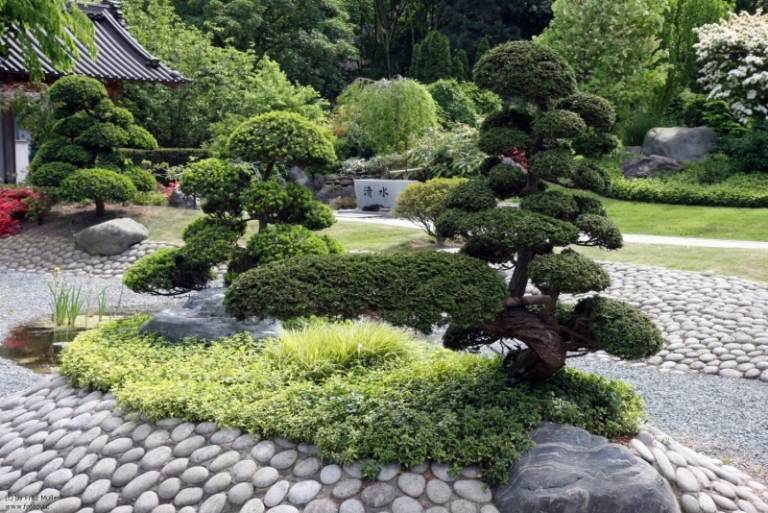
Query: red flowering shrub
x=520, y=157
x=167, y=191
x=14, y=205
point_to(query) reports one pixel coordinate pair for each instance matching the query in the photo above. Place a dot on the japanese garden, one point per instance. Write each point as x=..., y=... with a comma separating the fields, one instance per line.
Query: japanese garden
x=384, y=256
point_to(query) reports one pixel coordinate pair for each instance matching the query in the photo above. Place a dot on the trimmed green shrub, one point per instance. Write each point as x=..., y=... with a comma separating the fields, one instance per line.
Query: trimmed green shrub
x=422, y=203
x=567, y=272
x=406, y=405
x=455, y=105
x=506, y=180
x=99, y=186
x=523, y=69
x=472, y=195
x=736, y=191
x=50, y=174
x=486, y=102
x=432, y=58
x=170, y=156
x=140, y=138
x=553, y=164
x=620, y=329
x=282, y=139
x=286, y=241
x=596, y=111
x=420, y=290
x=143, y=180
x=211, y=240
x=600, y=231
x=559, y=124
x=167, y=271
x=591, y=176
x=558, y=204
x=73, y=93
x=592, y=144
x=502, y=141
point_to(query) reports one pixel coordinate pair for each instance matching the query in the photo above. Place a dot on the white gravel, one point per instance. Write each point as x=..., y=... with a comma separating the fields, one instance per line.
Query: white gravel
x=722, y=416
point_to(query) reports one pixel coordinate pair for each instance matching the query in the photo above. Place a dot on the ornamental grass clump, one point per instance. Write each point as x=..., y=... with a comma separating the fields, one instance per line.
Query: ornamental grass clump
x=321, y=348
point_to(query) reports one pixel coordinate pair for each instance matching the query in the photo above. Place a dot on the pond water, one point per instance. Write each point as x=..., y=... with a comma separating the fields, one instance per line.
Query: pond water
x=36, y=346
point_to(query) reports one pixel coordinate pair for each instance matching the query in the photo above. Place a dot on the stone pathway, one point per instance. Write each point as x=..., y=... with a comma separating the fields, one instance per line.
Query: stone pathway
x=66, y=450
x=26, y=252
x=711, y=324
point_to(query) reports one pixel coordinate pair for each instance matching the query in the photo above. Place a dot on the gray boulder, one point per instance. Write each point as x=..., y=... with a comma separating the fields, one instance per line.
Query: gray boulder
x=203, y=316
x=111, y=237
x=571, y=471
x=680, y=143
x=651, y=165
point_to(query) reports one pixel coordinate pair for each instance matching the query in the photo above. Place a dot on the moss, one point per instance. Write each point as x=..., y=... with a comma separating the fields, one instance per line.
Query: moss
x=620, y=329
x=568, y=272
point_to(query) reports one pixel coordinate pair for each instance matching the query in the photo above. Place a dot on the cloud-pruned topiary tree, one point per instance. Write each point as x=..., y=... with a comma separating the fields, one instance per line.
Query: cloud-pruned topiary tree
x=255, y=188
x=88, y=132
x=544, y=114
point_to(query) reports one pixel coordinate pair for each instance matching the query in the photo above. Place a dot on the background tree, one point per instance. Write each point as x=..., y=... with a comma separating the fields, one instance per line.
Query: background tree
x=381, y=116
x=455, y=105
x=309, y=38
x=234, y=194
x=432, y=58
x=682, y=17
x=88, y=131
x=544, y=113
x=387, y=15
x=56, y=25
x=227, y=85
x=614, y=47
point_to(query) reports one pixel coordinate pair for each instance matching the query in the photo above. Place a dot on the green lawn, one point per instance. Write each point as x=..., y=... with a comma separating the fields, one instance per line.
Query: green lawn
x=743, y=263
x=688, y=221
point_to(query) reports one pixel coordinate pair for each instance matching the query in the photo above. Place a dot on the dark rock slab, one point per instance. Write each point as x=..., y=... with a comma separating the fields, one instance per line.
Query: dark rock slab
x=651, y=165
x=571, y=471
x=203, y=316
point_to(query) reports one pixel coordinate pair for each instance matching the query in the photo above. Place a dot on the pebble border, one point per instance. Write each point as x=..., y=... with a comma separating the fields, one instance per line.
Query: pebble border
x=71, y=448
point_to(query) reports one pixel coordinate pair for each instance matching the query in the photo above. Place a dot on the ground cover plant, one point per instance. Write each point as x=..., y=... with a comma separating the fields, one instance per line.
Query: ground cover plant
x=544, y=114
x=371, y=392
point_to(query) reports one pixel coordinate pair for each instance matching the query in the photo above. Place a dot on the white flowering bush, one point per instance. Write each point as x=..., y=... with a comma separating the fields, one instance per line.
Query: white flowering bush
x=733, y=63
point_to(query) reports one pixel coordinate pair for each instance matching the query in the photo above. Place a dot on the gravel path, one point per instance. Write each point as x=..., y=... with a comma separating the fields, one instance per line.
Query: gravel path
x=727, y=417
x=24, y=298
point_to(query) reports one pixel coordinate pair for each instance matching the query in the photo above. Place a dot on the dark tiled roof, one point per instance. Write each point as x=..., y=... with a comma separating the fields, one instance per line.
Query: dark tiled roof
x=119, y=57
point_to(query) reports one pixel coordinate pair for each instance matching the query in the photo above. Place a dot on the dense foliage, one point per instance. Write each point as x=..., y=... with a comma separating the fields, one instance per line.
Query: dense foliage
x=422, y=203
x=732, y=64
x=17, y=205
x=455, y=105
x=406, y=402
x=88, y=132
x=423, y=290
x=271, y=144
x=382, y=116
x=447, y=153
x=226, y=85
x=614, y=46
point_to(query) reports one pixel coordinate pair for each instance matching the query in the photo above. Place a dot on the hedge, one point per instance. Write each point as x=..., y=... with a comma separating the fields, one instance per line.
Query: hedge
x=170, y=156
x=731, y=193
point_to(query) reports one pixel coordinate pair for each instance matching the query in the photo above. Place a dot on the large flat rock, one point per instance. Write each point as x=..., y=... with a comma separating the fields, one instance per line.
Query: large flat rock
x=571, y=471
x=112, y=237
x=680, y=143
